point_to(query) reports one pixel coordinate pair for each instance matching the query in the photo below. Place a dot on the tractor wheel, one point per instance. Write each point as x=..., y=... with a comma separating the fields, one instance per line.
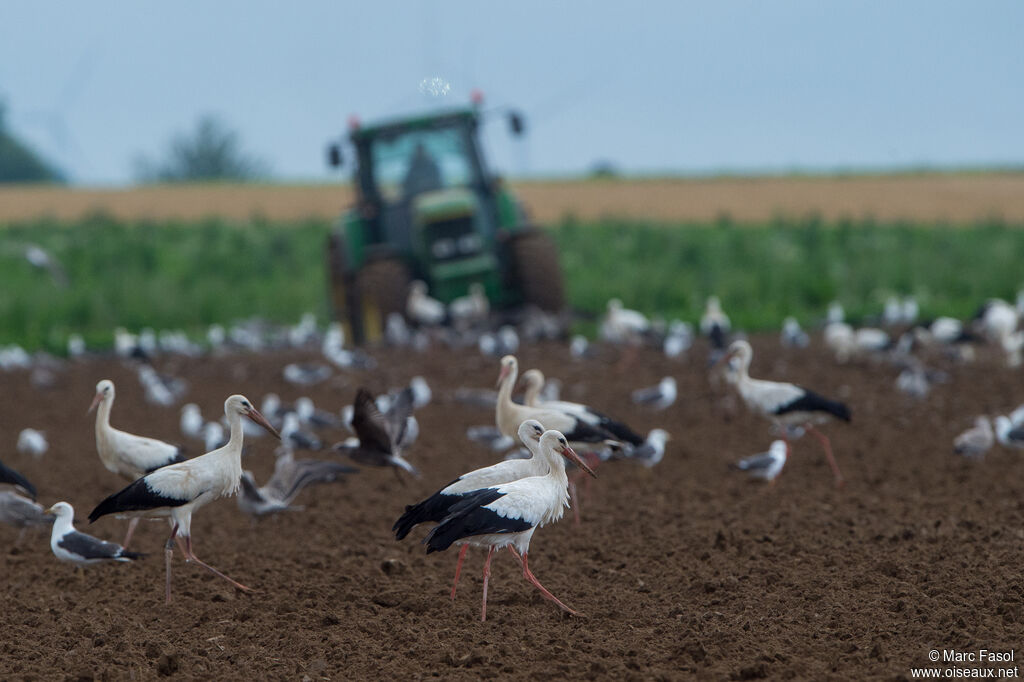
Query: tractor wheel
x=384, y=287
x=536, y=272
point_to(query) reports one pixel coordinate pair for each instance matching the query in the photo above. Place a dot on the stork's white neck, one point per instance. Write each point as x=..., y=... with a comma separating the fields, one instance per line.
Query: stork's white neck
x=508, y=415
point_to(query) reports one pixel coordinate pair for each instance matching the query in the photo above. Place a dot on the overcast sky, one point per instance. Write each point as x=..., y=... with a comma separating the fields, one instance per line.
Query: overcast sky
x=690, y=87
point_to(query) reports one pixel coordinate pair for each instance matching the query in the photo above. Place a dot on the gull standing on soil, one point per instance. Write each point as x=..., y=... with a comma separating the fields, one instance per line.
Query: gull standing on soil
x=622, y=325
x=306, y=374
x=438, y=506
x=507, y=515
x=787, y=405
x=126, y=454
x=1008, y=433
x=657, y=397
x=78, y=548
x=975, y=441
x=380, y=438
x=766, y=465
x=792, y=336
x=652, y=450
x=178, y=490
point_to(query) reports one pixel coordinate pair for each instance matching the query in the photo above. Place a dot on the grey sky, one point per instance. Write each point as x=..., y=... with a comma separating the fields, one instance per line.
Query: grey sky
x=651, y=86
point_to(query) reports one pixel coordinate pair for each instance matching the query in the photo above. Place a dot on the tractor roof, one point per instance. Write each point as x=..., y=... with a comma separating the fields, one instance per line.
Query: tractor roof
x=427, y=120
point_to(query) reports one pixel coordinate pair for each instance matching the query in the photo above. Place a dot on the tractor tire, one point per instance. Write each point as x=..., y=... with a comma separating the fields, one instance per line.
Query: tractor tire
x=383, y=287
x=536, y=272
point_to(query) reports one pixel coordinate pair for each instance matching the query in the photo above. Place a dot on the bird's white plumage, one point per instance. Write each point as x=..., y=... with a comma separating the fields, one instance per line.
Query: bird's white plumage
x=125, y=453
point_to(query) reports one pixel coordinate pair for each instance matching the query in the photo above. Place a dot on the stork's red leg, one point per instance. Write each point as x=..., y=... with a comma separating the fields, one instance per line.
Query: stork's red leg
x=168, y=553
x=574, y=501
x=458, y=567
x=487, y=578
x=131, y=531
x=192, y=558
x=543, y=590
x=827, y=446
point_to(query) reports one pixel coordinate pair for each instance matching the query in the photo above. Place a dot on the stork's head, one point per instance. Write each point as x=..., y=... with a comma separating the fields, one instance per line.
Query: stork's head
x=240, y=405
x=533, y=381
x=61, y=510
x=509, y=366
x=104, y=392
x=739, y=355
x=530, y=429
x=555, y=441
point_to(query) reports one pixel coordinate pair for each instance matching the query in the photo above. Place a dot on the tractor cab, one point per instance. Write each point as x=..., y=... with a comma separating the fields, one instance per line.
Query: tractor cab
x=427, y=208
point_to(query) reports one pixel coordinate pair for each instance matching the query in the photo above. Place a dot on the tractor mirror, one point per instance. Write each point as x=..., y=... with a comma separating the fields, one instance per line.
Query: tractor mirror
x=516, y=123
x=334, y=156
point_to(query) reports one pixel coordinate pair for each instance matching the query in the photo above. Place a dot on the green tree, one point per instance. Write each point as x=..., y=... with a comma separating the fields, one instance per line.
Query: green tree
x=18, y=163
x=211, y=151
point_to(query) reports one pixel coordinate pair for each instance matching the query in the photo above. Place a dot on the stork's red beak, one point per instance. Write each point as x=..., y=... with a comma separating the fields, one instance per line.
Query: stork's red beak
x=501, y=376
x=95, y=401
x=571, y=455
x=255, y=416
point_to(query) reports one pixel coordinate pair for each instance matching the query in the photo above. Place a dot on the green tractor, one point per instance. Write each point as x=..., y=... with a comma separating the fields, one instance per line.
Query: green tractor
x=427, y=208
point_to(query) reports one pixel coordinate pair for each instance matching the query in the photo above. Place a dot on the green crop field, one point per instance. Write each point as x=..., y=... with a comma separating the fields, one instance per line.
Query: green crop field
x=190, y=274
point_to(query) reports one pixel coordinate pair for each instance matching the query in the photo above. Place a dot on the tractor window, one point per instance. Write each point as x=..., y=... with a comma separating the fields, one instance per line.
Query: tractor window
x=420, y=161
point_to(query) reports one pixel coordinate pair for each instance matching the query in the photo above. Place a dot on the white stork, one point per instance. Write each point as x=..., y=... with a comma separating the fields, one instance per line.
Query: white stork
x=611, y=429
x=421, y=308
x=788, y=406
x=622, y=325
x=126, y=454
x=436, y=508
x=178, y=490
x=78, y=548
x=715, y=324
x=507, y=515
x=11, y=477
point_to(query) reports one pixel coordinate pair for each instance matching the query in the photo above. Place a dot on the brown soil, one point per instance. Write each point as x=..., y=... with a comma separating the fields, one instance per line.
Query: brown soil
x=929, y=197
x=687, y=570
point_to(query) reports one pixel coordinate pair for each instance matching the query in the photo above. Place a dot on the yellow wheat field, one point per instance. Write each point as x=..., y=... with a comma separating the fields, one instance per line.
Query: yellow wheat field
x=929, y=197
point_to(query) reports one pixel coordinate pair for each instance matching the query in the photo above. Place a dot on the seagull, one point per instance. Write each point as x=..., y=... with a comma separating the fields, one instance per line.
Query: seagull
x=290, y=477
x=1009, y=434
x=179, y=490
x=678, y=339
x=32, y=442
x=767, y=465
x=191, y=421
x=21, y=512
x=76, y=346
x=975, y=441
x=78, y=548
x=12, y=478
x=213, y=436
x=438, y=506
x=652, y=450
x=489, y=436
x=422, y=309
x=792, y=335
x=787, y=405
x=41, y=259
x=294, y=437
x=306, y=374
x=319, y=419
x=421, y=393
x=380, y=438
x=657, y=397
x=508, y=514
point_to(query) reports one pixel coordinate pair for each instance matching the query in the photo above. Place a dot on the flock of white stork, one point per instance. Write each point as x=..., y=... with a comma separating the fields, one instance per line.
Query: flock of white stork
x=500, y=505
